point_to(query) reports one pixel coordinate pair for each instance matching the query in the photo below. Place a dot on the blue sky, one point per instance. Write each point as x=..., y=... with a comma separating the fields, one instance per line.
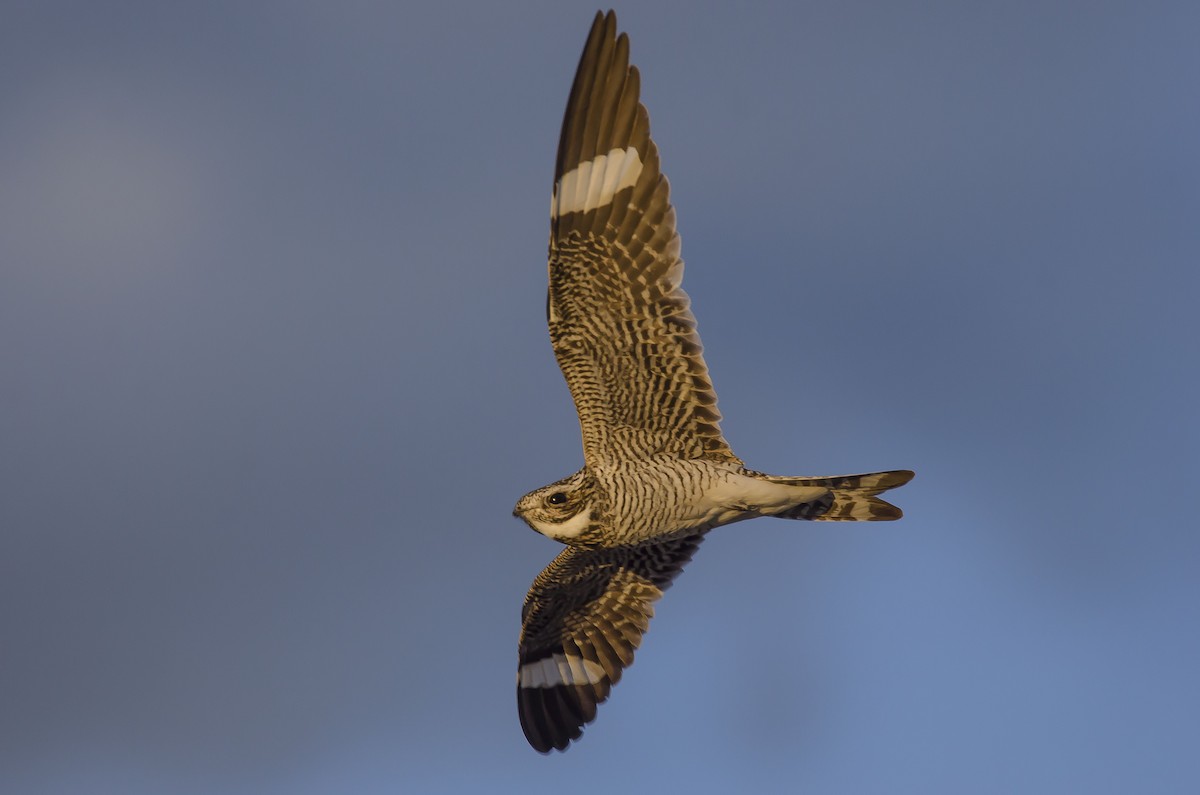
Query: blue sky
x=275, y=371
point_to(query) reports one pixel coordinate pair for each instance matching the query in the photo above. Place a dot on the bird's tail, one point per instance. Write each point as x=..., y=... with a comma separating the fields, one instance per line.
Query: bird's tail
x=850, y=498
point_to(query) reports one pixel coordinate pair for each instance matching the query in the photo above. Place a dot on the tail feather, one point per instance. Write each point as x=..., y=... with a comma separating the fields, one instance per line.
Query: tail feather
x=851, y=498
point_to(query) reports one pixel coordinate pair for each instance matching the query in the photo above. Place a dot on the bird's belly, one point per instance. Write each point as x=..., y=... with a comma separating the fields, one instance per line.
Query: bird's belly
x=738, y=496
x=693, y=495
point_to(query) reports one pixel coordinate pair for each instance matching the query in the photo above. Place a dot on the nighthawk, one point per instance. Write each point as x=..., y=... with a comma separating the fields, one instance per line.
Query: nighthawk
x=657, y=473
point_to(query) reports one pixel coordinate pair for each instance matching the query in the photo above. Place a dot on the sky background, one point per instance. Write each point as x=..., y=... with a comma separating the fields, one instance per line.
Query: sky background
x=274, y=370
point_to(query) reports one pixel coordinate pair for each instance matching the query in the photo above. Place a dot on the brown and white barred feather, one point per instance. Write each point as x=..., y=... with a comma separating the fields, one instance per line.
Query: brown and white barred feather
x=620, y=323
x=582, y=621
x=851, y=498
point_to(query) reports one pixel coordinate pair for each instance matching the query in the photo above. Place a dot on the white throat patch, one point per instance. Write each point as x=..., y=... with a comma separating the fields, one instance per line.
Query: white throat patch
x=571, y=528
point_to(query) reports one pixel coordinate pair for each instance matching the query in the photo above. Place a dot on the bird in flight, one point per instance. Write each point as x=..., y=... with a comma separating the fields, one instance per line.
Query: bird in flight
x=657, y=474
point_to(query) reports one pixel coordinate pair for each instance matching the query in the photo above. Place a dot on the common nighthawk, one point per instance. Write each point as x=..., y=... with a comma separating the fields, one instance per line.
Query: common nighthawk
x=657, y=473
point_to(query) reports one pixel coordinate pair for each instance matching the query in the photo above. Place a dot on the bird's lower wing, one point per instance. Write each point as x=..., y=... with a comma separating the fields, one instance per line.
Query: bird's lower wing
x=582, y=620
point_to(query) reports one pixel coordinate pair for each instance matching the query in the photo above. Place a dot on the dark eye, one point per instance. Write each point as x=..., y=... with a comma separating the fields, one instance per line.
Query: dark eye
x=557, y=498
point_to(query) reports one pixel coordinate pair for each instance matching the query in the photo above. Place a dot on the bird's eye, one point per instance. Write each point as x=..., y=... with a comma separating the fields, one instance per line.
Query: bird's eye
x=557, y=498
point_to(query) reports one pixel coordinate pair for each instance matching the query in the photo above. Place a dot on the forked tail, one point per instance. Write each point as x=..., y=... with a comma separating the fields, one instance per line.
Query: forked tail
x=851, y=498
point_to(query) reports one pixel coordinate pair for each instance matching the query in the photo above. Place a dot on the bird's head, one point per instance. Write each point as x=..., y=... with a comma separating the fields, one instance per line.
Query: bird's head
x=565, y=510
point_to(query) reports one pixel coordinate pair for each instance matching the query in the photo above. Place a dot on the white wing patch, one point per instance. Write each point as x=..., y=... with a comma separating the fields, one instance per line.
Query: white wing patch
x=594, y=183
x=560, y=669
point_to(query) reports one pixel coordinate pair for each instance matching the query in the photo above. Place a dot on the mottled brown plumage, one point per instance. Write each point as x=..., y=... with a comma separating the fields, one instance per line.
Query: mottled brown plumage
x=619, y=321
x=657, y=472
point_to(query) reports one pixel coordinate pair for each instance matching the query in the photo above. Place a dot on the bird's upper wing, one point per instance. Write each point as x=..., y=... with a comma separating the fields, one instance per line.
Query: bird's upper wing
x=582, y=620
x=619, y=322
